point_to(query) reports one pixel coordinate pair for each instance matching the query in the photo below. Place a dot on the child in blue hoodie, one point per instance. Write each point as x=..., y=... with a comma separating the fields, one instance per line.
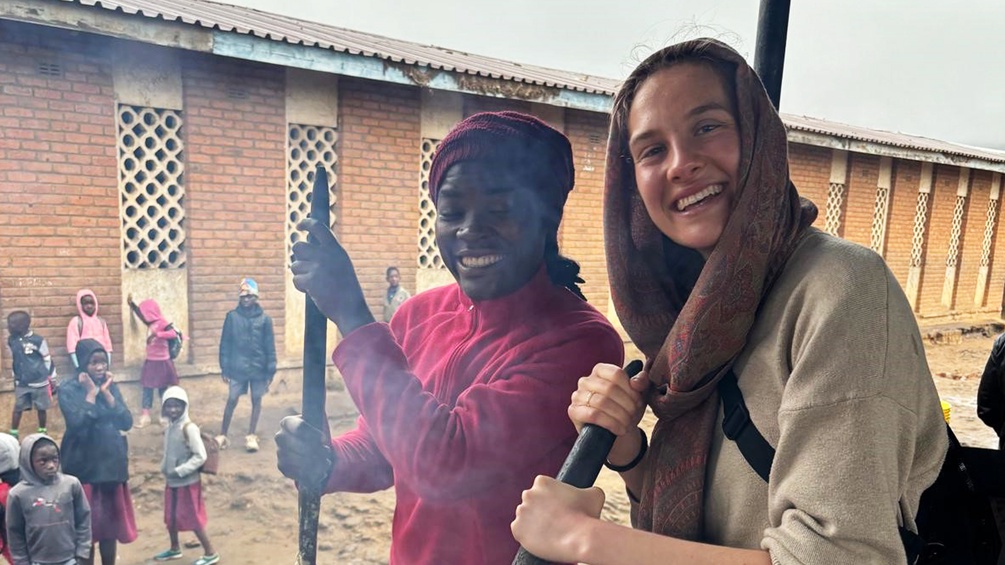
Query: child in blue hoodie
x=48, y=518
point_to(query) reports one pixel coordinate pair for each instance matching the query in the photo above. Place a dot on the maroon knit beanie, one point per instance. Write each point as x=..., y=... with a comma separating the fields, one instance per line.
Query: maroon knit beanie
x=519, y=142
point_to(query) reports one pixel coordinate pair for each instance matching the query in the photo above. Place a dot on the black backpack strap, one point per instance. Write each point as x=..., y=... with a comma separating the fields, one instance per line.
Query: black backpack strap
x=913, y=544
x=737, y=426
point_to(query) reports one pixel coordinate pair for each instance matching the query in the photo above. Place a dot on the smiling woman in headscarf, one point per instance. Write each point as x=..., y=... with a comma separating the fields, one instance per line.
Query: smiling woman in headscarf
x=462, y=396
x=715, y=270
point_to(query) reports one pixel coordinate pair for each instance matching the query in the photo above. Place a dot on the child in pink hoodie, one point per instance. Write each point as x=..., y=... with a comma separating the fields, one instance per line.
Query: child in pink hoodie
x=158, y=369
x=87, y=324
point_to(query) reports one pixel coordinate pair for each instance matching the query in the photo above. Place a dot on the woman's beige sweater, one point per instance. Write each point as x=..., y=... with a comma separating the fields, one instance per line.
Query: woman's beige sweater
x=835, y=378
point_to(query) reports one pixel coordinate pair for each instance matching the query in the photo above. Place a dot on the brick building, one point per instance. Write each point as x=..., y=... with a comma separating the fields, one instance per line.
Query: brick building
x=165, y=149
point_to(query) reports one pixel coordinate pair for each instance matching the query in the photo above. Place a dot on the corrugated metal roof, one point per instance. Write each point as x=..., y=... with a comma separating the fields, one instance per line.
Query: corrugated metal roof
x=248, y=21
x=836, y=129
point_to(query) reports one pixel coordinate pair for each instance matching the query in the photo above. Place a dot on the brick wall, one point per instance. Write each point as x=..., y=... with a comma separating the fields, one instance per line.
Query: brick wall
x=379, y=182
x=582, y=235
x=59, y=220
x=900, y=228
x=235, y=142
x=810, y=170
x=971, y=240
x=860, y=198
x=941, y=203
x=59, y=217
x=996, y=278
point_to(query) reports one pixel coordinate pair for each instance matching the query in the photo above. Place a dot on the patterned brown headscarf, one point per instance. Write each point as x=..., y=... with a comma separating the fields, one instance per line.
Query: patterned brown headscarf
x=691, y=336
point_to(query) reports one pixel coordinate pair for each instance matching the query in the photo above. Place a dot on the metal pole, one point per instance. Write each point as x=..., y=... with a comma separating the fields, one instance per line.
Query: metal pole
x=769, y=53
x=313, y=396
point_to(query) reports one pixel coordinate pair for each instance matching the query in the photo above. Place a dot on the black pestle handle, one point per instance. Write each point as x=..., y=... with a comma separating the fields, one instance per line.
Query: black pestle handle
x=583, y=464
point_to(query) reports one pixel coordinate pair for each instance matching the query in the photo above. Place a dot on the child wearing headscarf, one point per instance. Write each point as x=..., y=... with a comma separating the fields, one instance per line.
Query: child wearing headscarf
x=87, y=324
x=715, y=272
x=158, y=369
x=95, y=450
x=462, y=395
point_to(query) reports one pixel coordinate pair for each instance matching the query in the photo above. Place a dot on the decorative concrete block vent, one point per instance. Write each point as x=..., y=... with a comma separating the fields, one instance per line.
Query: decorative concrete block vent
x=308, y=147
x=151, y=187
x=429, y=253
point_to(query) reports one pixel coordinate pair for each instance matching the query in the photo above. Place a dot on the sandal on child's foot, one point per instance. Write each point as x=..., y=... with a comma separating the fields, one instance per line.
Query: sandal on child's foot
x=168, y=555
x=208, y=559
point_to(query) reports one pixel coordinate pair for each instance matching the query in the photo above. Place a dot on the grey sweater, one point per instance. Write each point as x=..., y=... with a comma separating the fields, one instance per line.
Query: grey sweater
x=835, y=377
x=47, y=522
x=184, y=452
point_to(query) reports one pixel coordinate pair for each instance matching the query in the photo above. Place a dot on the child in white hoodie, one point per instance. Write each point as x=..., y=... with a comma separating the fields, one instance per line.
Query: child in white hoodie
x=184, y=454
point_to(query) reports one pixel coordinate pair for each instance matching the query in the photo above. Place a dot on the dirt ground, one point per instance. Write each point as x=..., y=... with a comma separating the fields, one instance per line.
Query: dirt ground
x=253, y=509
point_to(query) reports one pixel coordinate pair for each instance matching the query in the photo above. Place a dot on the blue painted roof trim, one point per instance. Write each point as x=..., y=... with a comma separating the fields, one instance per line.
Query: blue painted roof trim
x=253, y=48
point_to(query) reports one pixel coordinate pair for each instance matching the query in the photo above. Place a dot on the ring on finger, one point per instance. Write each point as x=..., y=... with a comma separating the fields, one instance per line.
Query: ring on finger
x=589, y=398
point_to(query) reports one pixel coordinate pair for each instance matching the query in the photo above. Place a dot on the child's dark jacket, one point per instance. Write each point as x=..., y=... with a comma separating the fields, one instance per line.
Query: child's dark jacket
x=93, y=448
x=29, y=353
x=248, y=345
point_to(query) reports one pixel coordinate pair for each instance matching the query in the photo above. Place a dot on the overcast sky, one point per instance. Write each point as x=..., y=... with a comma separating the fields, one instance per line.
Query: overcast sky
x=934, y=68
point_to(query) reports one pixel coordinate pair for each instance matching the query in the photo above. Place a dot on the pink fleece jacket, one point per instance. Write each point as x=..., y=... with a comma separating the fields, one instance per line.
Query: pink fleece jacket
x=83, y=326
x=157, y=348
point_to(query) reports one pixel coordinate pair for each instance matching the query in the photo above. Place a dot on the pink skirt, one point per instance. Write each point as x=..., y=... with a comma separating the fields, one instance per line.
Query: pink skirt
x=158, y=374
x=111, y=512
x=183, y=508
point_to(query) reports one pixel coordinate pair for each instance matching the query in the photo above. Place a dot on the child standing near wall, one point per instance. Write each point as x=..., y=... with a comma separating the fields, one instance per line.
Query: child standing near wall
x=48, y=519
x=33, y=370
x=184, y=454
x=396, y=294
x=247, y=359
x=158, y=369
x=87, y=324
x=95, y=450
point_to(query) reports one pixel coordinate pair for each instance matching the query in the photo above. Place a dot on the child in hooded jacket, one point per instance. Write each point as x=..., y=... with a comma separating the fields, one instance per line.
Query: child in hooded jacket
x=10, y=475
x=87, y=324
x=158, y=369
x=184, y=454
x=94, y=449
x=48, y=518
